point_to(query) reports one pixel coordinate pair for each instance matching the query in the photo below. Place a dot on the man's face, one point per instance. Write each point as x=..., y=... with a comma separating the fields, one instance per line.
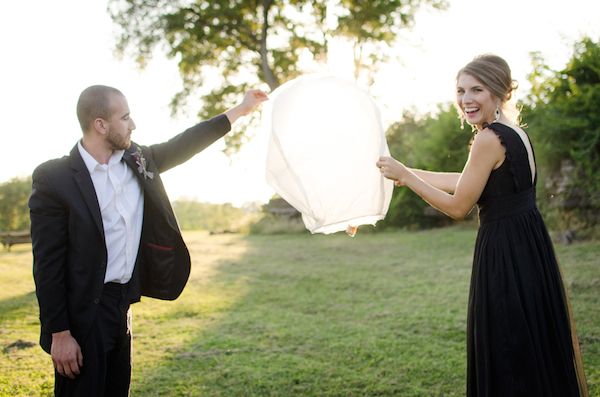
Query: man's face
x=120, y=124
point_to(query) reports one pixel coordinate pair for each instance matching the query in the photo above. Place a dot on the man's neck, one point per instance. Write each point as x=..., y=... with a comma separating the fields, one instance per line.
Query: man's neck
x=97, y=150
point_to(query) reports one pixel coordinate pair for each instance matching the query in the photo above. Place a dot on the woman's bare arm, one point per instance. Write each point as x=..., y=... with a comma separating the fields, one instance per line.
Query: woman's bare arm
x=486, y=154
x=445, y=181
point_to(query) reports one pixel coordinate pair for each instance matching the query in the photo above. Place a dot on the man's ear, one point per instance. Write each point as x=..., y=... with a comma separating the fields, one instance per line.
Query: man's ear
x=100, y=125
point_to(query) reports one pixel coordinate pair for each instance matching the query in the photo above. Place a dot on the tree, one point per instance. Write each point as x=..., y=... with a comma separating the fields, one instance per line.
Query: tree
x=195, y=215
x=14, y=213
x=564, y=122
x=245, y=42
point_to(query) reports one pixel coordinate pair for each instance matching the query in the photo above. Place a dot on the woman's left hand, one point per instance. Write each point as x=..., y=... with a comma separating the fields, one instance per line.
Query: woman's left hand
x=393, y=169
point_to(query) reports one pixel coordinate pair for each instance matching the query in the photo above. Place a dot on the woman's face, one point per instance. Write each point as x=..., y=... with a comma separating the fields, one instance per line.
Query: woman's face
x=476, y=102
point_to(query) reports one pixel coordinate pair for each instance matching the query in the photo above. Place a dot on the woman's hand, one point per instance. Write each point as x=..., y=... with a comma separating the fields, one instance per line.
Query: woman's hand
x=393, y=169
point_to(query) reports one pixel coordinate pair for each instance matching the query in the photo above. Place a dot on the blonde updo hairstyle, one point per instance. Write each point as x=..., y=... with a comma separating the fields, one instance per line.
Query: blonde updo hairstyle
x=494, y=73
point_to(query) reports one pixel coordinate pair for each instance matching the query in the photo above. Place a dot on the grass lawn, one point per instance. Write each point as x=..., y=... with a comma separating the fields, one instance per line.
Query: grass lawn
x=297, y=315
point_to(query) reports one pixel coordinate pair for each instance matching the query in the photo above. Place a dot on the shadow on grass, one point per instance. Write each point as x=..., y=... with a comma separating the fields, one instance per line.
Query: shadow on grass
x=17, y=306
x=319, y=315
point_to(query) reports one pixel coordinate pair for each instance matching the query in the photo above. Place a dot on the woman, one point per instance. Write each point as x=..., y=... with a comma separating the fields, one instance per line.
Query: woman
x=520, y=338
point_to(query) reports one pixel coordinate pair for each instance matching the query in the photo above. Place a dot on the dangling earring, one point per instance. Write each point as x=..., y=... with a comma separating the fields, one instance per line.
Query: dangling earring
x=462, y=122
x=497, y=114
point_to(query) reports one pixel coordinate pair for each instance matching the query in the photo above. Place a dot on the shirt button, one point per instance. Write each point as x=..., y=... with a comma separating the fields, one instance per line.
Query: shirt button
x=96, y=301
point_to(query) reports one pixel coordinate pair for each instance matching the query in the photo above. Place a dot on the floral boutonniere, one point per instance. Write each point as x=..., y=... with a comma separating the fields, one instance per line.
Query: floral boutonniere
x=140, y=160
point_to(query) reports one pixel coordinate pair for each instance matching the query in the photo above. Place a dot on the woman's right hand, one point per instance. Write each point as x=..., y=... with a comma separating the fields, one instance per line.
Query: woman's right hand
x=393, y=169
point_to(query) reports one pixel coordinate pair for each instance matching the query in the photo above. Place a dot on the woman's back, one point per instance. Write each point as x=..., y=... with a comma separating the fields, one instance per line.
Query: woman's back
x=515, y=173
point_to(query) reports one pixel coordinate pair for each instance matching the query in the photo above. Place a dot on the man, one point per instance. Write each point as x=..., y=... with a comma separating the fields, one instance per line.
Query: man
x=104, y=234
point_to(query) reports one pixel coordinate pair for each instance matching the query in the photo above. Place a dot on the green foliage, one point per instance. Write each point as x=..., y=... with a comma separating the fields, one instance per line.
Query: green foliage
x=216, y=218
x=564, y=123
x=372, y=26
x=14, y=213
x=245, y=42
x=435, y=143
x=562, y=109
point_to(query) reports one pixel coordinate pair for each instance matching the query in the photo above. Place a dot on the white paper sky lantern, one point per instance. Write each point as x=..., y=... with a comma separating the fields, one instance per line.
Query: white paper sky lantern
x=325, y=137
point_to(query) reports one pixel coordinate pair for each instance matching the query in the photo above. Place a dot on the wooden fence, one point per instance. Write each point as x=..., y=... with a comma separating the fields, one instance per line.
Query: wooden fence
x=9, y=239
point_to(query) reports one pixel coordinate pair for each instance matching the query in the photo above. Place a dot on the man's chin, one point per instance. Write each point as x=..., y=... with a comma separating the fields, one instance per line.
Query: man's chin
x=122, y=146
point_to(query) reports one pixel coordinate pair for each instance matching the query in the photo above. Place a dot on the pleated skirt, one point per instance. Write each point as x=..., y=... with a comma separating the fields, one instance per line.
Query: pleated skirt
x=521, y=340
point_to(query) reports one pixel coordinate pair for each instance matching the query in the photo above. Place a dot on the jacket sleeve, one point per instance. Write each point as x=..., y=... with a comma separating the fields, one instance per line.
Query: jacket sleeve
x=182, y=147
x=49, y=237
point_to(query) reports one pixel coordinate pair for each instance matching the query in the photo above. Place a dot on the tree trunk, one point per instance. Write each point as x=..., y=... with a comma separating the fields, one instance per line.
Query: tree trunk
x=270, y=78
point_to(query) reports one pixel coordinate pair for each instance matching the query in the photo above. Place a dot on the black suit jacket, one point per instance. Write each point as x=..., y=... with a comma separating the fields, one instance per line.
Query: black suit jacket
x=69, y=250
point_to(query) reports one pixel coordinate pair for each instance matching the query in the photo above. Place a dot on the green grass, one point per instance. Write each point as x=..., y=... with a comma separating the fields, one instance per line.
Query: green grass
x=381, y=314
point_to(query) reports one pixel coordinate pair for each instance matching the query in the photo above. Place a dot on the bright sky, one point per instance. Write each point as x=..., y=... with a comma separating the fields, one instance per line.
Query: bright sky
x=52, y=50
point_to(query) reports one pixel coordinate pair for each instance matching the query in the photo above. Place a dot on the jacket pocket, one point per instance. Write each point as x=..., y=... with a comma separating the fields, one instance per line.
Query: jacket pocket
x=156, y=270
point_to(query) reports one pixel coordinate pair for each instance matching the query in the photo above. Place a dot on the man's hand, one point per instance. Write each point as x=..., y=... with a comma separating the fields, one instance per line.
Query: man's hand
x=251, y=100
x=66, y=354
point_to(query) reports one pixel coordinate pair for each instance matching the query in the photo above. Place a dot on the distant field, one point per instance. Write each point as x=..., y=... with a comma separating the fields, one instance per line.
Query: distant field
x=297, y=315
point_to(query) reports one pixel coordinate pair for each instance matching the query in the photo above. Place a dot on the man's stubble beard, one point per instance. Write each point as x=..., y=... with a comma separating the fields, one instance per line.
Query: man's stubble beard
x=117, y=142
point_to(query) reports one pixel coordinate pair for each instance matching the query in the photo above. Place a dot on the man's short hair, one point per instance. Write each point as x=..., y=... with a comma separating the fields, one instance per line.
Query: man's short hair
x=93, y=103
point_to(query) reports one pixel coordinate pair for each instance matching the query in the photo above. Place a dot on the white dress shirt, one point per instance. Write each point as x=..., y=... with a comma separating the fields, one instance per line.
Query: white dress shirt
x=122, y=207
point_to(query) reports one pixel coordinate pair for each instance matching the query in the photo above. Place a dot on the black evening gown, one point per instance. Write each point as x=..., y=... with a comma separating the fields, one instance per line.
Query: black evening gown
x=520, y=338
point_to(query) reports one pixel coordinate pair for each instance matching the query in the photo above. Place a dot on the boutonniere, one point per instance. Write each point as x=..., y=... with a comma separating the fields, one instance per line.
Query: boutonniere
x=140, y=160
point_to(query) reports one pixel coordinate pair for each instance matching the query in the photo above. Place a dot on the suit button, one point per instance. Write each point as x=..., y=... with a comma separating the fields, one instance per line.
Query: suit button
x=96, y=301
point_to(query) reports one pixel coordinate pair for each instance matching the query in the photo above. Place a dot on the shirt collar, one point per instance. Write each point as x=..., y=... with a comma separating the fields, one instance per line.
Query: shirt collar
x=91, y=162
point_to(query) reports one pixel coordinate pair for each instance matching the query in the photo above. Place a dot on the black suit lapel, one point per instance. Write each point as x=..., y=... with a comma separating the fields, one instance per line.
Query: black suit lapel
x=86, y=186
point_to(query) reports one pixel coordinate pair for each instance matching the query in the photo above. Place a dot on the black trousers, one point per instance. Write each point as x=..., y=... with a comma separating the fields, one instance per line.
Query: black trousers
x=106, y=370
